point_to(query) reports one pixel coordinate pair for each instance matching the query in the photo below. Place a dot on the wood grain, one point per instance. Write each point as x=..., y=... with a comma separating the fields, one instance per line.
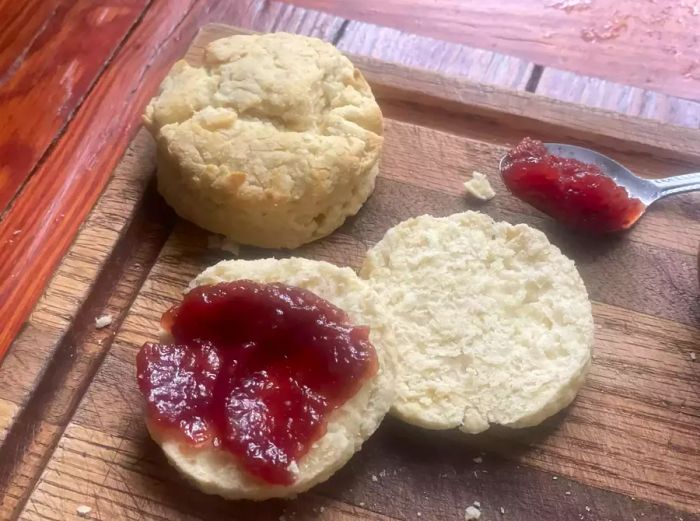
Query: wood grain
x=45, y=73
x=56, y=355
x=649, y=44
x=626, y=99
x=75, y=277
x=630, y=434
x=477, y=65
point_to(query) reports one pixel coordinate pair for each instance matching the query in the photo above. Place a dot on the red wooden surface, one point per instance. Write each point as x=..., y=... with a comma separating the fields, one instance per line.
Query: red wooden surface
x=653, y=44
x=50, y=55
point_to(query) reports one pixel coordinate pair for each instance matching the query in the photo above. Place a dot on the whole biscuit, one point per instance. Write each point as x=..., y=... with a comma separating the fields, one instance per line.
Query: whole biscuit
x=273, y=142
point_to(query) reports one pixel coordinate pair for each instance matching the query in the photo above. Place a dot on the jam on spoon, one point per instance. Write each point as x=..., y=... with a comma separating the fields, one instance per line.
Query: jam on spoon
x=254, y=369
x=578, y=194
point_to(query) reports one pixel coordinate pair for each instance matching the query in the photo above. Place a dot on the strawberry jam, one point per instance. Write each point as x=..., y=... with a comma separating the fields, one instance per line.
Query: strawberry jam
x=577, y=194
x=254, y=369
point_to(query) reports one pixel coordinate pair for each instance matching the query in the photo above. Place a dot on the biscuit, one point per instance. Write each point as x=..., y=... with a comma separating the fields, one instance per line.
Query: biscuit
x=493, y=323
x=274, y=141
x=479, y=187
x=216, y=471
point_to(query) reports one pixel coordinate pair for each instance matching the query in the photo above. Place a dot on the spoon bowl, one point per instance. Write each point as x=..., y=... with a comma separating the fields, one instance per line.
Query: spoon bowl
x=643, y=189
x=646, y=190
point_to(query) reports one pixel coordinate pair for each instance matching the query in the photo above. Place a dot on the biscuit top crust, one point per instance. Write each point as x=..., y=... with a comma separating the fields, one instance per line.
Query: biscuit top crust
x=267, y=117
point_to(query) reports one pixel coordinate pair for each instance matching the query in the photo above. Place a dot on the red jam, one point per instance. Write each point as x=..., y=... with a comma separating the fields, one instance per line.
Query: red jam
x=255, y=369
x=577, y=194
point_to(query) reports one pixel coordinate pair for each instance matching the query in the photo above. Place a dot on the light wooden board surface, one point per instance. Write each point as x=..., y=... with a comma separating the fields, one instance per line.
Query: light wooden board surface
x=632, y=433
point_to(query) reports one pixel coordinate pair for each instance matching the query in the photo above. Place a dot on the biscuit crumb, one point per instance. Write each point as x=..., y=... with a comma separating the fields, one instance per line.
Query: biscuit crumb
x=83, y=510
x=472, y=514
x=375, y=478
x=478, y=459
x=555, y=477
x=693, y=356
x=568, y=492
x=588, y=509
x=362, y=503
x=479, y=188
x=218, y=242
x=103, y=321
x=503, y=510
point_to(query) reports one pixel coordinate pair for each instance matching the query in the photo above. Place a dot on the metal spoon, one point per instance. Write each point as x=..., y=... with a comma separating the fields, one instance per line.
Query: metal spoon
x=646, y=190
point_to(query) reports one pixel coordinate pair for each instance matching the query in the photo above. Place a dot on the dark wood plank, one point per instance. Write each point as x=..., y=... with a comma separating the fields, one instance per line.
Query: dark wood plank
x=652, y=45
x=46, y=71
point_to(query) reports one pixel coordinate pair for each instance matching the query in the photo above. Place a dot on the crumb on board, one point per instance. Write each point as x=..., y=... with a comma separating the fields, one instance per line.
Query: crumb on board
x=555, y=477
x=219, y=242
x=477, y=504
x=103, y=321
x=693, y=356
x=472, y=513
x=83, y=510
x=375, y=478
x=478, y=459
x=568, y=492
x=479, y=187
x=503, y=510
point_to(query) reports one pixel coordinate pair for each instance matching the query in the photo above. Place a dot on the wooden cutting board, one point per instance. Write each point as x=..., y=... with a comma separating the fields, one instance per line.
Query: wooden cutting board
x=628, y=448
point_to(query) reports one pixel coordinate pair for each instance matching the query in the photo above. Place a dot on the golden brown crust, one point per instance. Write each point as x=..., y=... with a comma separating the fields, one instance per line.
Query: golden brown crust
x=274, y=142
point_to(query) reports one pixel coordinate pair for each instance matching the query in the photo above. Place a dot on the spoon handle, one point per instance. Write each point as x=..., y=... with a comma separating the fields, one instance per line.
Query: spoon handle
x=678, y=184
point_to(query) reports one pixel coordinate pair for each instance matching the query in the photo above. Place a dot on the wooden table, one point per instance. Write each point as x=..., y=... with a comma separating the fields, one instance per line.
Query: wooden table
x=75, y=76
